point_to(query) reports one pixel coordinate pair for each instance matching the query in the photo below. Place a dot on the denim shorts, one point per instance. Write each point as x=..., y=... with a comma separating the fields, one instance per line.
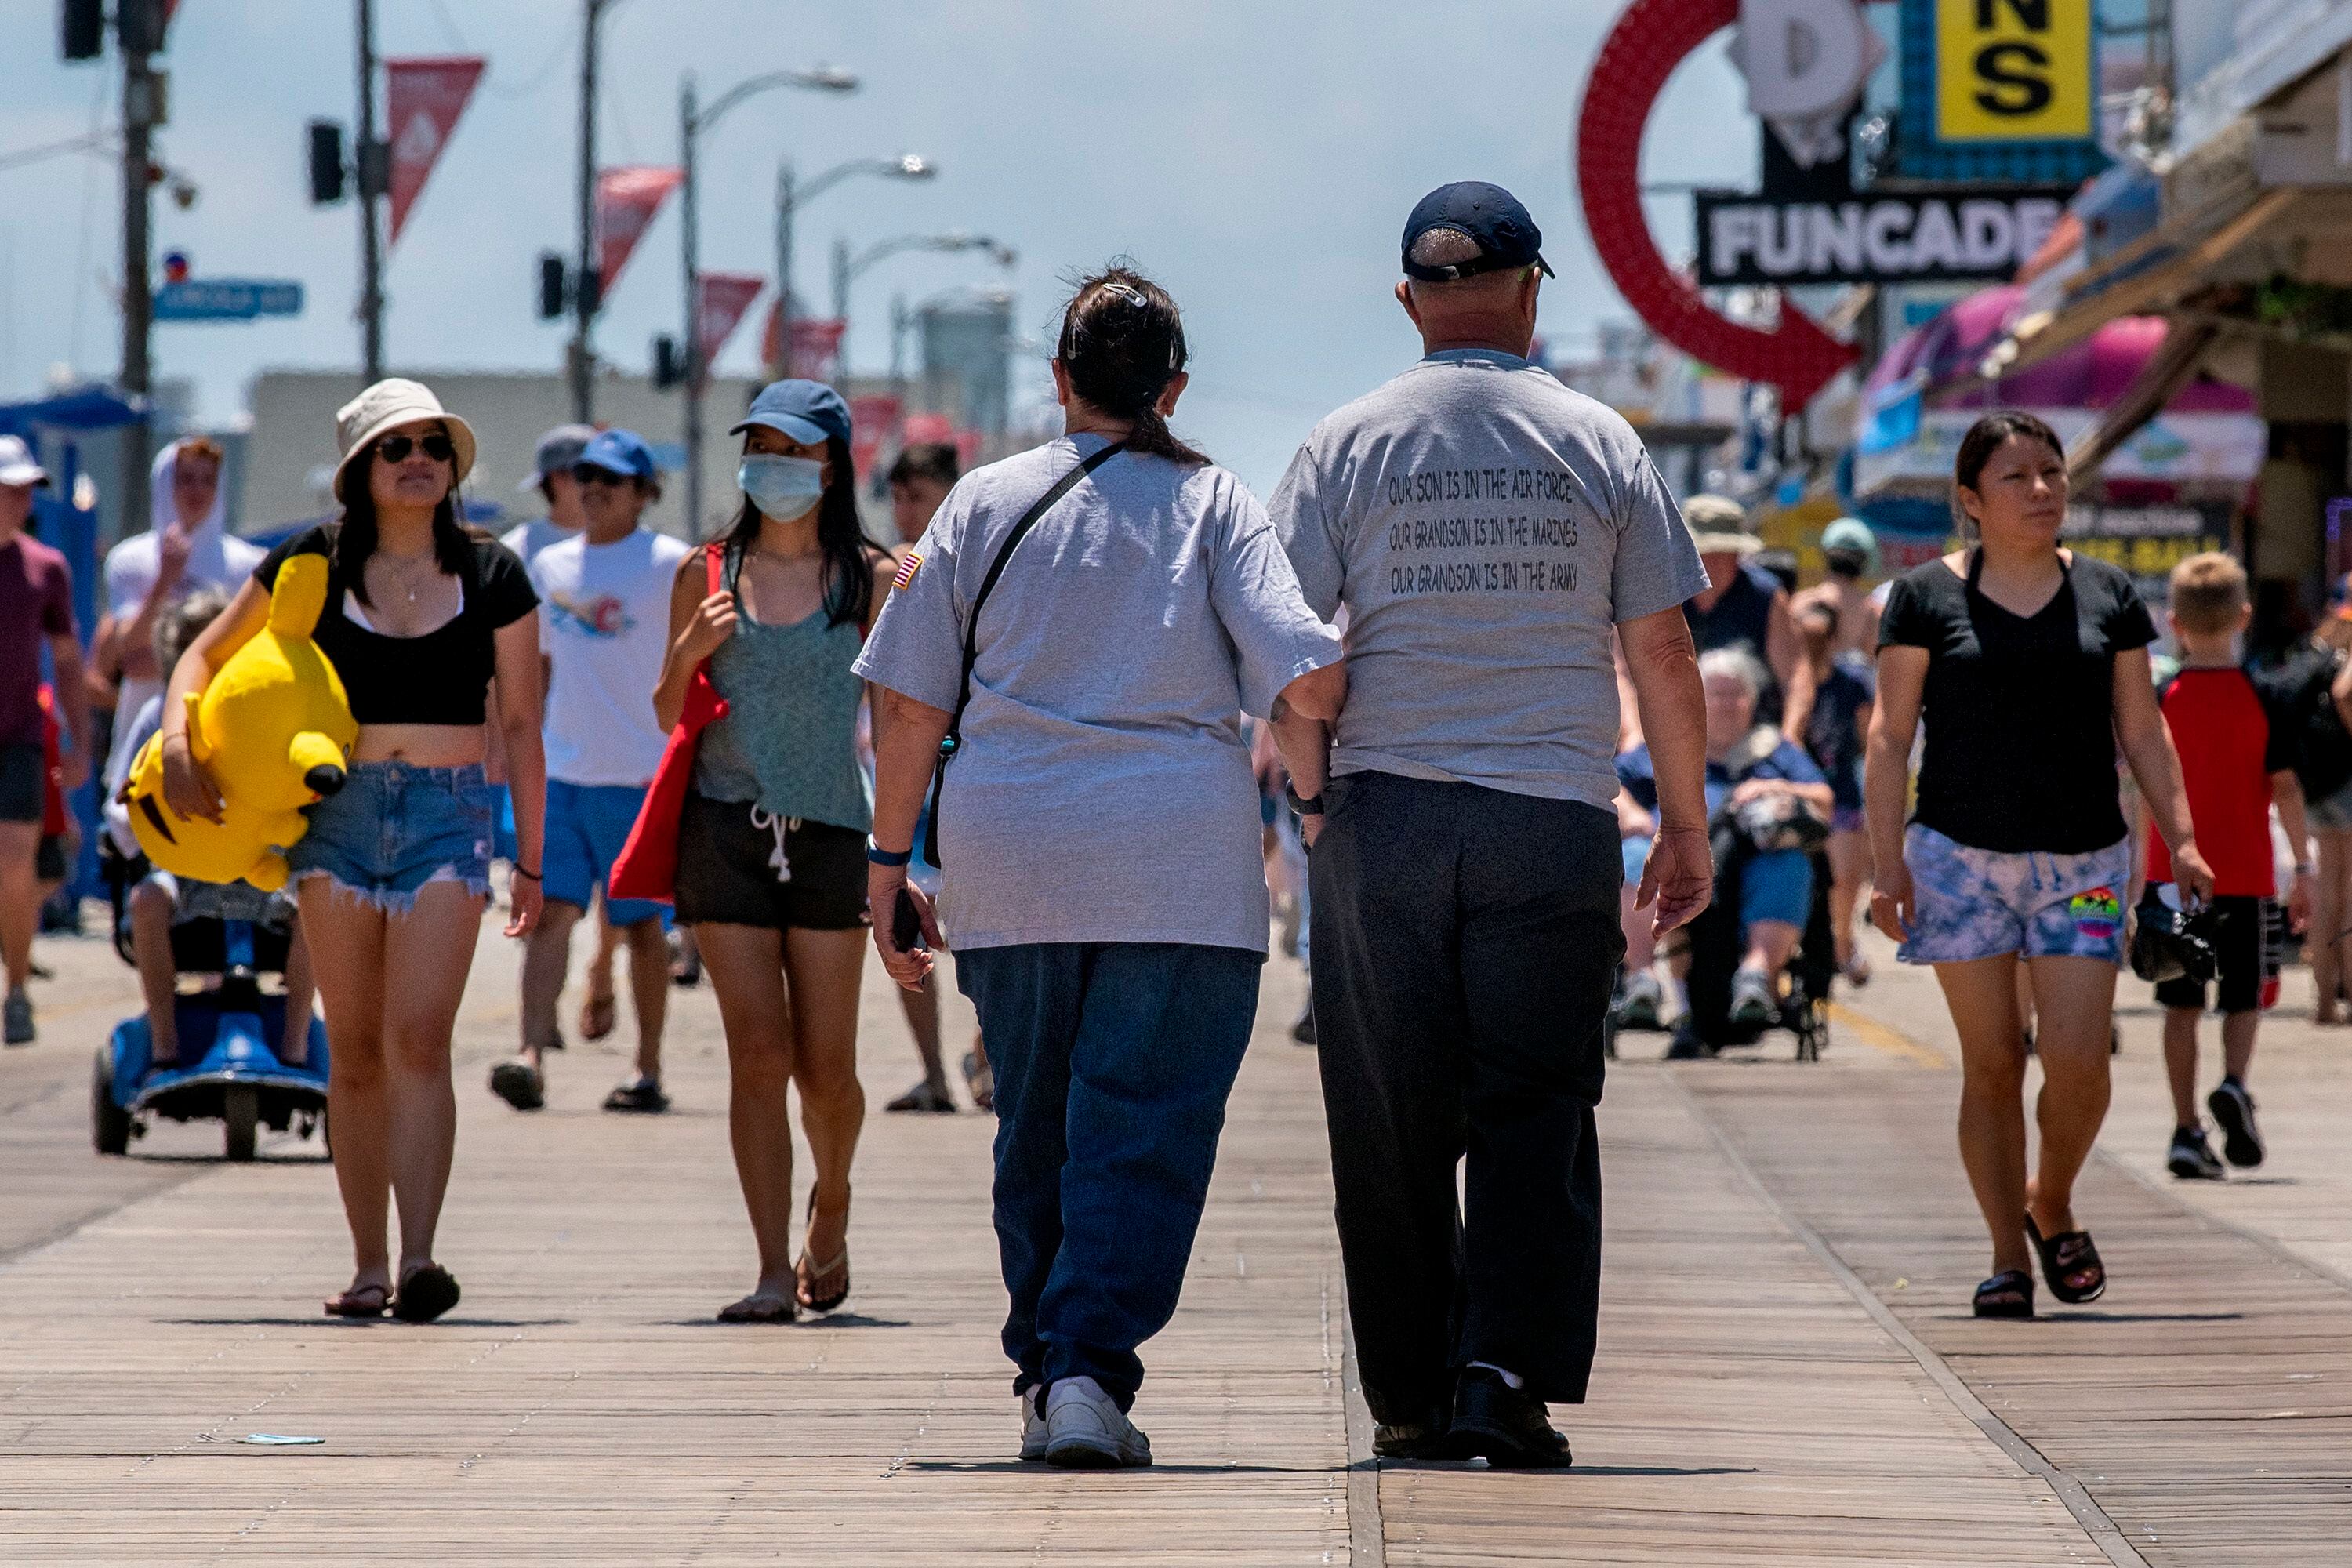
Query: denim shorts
x=392, y=828
x=1970, y=903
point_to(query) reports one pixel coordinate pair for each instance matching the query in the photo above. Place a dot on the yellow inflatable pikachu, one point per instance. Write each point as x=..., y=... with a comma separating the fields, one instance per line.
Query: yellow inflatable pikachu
x=274, y=728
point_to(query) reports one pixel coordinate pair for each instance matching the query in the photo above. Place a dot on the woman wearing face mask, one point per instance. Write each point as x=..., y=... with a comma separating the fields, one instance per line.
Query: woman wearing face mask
x=771, y=843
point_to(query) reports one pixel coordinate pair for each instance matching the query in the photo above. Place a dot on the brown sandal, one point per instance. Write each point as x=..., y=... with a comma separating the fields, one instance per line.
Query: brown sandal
x=362, y=1301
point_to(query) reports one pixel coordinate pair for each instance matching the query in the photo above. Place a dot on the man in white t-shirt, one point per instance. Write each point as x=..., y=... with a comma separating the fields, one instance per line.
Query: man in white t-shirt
x=604, y=627
x=188, y=547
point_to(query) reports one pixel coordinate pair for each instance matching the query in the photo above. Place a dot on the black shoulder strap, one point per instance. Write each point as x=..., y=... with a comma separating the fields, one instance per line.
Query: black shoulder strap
x=1020, y=531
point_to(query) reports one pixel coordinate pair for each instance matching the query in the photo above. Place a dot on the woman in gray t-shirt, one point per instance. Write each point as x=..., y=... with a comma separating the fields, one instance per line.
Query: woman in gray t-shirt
x=1102, y=878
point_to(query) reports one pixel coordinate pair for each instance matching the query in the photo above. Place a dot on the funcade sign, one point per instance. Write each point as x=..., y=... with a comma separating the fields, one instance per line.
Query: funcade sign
x=1895, y=239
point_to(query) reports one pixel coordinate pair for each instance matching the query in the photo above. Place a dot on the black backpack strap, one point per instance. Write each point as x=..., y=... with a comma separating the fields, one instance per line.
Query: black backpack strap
x=953, y=741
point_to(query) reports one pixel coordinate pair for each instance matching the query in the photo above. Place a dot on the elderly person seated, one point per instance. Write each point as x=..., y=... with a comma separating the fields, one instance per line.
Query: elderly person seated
x=1746, y=763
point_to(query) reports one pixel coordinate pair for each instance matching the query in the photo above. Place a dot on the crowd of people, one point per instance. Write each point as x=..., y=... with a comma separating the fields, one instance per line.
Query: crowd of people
x=755, y=755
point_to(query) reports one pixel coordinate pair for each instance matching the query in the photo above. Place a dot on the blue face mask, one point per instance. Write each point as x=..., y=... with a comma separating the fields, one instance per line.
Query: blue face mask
x=781, y=488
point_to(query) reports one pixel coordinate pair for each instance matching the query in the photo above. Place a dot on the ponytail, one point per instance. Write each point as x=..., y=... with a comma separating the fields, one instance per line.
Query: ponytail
x=1122, y=343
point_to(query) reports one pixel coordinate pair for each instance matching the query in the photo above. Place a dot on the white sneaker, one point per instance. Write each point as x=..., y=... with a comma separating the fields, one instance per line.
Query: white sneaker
x=1086, y=1429
x=1032, y=1428
x=1753, y=1004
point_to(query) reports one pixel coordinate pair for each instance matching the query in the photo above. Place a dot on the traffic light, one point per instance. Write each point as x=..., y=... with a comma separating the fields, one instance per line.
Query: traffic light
x=326, y=183
x=669, y=365
x=141, y=24
x=550, y=286
x=81, y=29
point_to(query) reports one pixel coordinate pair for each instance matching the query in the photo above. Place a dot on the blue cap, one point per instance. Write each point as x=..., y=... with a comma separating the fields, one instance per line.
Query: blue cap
x=807, y=411
x=1493, y=218
x=621, y=452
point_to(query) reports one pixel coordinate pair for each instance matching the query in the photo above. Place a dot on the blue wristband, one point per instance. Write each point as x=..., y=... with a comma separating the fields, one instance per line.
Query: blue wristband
x=881, y=856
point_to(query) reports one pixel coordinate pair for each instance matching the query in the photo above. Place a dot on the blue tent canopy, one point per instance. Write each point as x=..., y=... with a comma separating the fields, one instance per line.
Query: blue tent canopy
x=92, y=407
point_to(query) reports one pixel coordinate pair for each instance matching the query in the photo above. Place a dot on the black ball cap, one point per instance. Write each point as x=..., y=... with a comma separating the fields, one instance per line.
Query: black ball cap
x=1493, y=218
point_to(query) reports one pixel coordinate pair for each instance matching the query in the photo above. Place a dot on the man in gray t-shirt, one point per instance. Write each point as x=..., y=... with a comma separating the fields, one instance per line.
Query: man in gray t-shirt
x=1488, y=531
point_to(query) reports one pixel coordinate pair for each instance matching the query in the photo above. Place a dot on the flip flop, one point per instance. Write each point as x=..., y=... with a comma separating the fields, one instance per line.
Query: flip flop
x=520, y=1085
x=427, y=1291
x=924, y=1098
x=809, y=1273
x=366, y=1301
x=755, y=1309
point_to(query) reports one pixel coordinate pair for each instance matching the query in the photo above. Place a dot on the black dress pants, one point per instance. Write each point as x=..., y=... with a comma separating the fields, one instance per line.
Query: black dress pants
x=1466, y=942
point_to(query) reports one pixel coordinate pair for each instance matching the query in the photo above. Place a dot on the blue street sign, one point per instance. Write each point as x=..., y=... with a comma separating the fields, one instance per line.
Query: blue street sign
x=228, y=299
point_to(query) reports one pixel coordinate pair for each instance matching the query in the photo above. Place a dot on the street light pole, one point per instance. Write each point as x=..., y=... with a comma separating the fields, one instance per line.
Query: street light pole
x=693, y=120
x=791, y=196
x=690, y=345
x=786, y=201
x=585, y=285
x=846, y=269
x=370, y=170
x=139, y=92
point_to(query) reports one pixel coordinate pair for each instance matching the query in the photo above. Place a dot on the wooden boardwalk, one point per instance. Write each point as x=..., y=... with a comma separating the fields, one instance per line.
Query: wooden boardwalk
x=1787, y=1374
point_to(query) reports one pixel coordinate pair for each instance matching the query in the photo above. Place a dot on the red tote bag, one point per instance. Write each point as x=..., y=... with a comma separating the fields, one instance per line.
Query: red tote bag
x=647, y=866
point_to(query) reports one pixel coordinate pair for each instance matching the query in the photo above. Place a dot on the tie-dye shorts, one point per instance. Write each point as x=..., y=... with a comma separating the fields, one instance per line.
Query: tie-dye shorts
x=1971, y=903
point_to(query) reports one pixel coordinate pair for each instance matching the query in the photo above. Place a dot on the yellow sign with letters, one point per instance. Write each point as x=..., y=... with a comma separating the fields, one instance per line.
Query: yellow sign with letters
x=2013, y=71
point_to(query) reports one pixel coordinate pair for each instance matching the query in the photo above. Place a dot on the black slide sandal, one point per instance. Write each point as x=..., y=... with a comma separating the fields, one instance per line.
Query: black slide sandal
x=2068, y=1256
x=2009, y=1294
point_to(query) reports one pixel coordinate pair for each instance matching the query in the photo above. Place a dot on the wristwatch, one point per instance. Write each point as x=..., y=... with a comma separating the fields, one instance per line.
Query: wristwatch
x=1299, y=805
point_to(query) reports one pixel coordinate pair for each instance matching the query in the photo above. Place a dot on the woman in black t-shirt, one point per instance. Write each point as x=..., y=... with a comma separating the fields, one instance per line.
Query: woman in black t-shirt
x=393, y=870
x=2030, y=666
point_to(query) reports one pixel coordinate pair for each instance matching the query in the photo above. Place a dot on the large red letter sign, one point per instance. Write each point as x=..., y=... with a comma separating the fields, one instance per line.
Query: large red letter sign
x=1652, y=39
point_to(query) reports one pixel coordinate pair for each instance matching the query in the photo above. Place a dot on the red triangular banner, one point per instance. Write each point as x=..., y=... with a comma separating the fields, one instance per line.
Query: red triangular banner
x=627, y=200
x=720, y=300
x=422, y=98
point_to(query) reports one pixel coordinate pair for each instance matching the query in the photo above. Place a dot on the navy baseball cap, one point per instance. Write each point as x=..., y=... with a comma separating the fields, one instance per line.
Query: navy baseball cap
x=1490, y=216
x=807, y=411
x=622, y=452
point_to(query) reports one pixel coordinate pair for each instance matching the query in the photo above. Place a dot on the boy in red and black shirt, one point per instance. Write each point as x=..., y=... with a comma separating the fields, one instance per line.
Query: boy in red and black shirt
x=2236, y=762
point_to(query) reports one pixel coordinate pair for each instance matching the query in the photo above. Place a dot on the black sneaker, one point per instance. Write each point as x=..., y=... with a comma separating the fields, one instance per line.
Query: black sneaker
x=1508, y=1426
x=2233, y=1109
x=2192, y=1158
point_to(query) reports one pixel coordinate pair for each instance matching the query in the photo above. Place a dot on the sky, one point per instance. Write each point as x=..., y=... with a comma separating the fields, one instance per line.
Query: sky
x=1256, y=156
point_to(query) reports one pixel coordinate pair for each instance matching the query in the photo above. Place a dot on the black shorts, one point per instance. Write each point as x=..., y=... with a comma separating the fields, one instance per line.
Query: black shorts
x=2239, y=928
x=49, y=859
x=726, y=873
x=23, y=781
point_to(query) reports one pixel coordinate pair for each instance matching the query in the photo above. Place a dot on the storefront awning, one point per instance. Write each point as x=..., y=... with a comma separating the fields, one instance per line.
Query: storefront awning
x=2146, y=277
x=2164, y=374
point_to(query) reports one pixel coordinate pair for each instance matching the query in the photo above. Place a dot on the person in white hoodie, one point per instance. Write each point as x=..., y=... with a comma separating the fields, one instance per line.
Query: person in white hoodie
x=188, y=547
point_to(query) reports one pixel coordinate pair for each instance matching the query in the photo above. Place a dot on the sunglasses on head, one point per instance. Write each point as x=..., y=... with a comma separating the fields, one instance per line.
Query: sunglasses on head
x=396, y=448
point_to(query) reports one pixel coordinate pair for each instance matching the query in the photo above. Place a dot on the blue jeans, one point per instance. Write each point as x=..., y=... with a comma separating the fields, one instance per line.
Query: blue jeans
x=1113, y=1061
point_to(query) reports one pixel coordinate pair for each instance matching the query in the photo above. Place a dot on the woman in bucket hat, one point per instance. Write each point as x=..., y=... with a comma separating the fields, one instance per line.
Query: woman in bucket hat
x=392, y=874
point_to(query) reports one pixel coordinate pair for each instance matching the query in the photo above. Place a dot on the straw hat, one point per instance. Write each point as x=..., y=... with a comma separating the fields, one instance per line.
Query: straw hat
x=1718, y=526
x=387, y=405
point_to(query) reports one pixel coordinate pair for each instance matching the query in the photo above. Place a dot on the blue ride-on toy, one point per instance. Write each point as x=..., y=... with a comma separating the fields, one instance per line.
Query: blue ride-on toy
x=230, y=1068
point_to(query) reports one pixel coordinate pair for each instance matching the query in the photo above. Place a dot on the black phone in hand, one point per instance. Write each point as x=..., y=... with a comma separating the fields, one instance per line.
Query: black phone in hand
x=905, y=925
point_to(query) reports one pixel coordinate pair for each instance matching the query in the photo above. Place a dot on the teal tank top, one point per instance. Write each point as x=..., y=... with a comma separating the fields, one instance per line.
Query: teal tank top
x=789, y=742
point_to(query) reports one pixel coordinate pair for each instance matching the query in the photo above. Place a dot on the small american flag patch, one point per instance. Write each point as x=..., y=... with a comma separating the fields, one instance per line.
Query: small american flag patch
x=906, y=569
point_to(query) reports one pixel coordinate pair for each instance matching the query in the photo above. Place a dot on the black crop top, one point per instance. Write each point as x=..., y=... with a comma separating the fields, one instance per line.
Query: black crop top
x=441, y=678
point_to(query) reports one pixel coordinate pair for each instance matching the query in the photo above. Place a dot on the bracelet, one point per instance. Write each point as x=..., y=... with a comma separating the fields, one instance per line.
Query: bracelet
x=524, y=871
x=878, y=856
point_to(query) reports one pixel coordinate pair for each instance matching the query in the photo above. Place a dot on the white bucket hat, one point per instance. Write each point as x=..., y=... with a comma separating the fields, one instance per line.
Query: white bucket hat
x=387, y=405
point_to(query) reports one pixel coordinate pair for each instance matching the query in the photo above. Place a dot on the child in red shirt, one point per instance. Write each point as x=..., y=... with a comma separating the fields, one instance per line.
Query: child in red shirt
x=2236, y=762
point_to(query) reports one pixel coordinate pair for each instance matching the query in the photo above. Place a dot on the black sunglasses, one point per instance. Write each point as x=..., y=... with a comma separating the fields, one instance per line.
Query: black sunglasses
x=395, y=448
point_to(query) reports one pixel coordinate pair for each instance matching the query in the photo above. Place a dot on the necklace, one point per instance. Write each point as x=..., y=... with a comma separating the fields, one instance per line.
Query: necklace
x=402, y=572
